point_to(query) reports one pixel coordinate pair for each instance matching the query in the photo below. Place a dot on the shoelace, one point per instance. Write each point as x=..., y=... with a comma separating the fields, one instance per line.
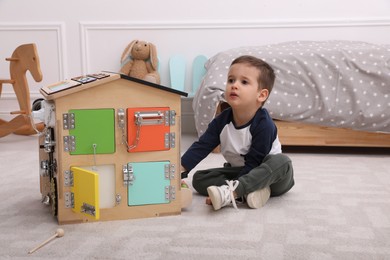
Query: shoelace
x=232, y=187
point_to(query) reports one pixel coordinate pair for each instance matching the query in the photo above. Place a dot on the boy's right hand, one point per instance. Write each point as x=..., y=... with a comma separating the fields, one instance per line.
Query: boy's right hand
x=184, y=172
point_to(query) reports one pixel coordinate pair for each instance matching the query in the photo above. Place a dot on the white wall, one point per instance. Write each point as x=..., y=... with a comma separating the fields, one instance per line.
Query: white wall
x=76, y=37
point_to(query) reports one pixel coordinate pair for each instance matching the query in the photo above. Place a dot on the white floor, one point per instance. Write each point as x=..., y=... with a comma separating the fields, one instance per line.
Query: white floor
x=338, y=209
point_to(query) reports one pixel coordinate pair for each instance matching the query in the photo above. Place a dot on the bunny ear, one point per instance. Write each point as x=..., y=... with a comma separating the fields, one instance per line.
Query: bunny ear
x=153, y=56
x=127, y=51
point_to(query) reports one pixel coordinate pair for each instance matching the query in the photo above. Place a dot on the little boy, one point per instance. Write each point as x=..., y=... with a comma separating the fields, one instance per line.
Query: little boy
x=256, y=168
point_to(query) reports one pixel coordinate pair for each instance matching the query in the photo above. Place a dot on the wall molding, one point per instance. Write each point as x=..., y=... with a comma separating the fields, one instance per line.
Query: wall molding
x=87, y=27
x=235, y=24
x=59, y=30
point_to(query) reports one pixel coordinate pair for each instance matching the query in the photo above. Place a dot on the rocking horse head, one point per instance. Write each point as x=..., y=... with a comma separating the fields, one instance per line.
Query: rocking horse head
x=25, y=57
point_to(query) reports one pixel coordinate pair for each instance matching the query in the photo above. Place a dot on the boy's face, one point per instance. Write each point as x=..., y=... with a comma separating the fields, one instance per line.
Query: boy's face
x=242, y=87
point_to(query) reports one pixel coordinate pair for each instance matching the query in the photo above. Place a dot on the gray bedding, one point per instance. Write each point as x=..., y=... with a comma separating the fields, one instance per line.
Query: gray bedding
x=331, y=83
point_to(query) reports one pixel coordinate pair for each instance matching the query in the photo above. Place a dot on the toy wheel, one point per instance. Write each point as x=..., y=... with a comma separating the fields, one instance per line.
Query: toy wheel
x=36, y=105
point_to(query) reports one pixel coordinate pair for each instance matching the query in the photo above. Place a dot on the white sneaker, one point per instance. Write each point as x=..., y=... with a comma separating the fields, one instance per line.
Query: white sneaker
x=258, y=198
x=222, y=196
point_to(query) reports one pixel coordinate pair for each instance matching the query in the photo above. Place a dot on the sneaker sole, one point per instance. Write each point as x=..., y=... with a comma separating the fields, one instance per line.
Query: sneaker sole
x=214, y=195
x=257, y=199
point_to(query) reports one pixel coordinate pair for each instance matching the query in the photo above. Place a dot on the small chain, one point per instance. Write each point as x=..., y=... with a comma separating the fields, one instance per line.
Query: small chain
x=136, y=141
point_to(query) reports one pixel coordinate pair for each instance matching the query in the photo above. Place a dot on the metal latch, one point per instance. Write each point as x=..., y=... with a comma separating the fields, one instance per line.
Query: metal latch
x=68, y=121
x=48, y=167
x=149, y=118
x=155, y=117
x=44, y=168
x=121, y=118
x=49, y=142
x=128, y=175
x=88, y=209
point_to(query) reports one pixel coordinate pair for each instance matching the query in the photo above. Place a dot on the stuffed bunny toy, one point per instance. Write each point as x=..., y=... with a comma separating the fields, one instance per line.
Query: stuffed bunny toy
x=139, y=60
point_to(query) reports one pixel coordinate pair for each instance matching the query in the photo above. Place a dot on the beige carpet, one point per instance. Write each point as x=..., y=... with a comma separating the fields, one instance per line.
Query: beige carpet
x=339, y=209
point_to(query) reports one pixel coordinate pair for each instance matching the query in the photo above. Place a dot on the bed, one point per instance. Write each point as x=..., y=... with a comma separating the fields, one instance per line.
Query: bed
x=326, y=93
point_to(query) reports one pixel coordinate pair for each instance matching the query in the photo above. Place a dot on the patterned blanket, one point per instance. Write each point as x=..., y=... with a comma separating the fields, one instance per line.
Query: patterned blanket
x=331, y=83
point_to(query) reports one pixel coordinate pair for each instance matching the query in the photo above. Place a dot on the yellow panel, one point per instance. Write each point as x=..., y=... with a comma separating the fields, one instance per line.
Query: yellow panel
x=86, y=192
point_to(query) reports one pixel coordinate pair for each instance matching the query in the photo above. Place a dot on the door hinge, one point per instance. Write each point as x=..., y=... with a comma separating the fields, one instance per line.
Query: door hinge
x=169, y=170
x=169, y=140
x=69, y=143
x=68, y=121
x=170, y=193
x=68, y=178
x=170, y=117
x=69, y=199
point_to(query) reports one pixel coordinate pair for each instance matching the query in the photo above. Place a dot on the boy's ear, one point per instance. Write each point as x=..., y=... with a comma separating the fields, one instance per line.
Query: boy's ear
x=262, y=95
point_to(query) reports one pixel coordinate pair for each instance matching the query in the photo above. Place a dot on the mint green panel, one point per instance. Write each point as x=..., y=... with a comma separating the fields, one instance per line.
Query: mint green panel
x=149, y=184
x=93, y=127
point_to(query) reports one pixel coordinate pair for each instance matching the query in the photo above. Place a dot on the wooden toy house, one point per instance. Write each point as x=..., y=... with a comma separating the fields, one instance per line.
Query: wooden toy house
x=110, y=149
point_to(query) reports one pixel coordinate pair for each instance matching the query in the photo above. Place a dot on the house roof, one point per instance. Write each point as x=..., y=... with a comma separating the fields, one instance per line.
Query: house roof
x=77, y=84
x=155, y=85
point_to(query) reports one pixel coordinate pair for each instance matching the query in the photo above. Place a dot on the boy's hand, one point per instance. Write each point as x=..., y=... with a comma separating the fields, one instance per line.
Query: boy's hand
x=184, y=172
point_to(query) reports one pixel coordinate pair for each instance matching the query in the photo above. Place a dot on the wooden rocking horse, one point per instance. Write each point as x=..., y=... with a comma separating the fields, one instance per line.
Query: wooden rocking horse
x=25, y=57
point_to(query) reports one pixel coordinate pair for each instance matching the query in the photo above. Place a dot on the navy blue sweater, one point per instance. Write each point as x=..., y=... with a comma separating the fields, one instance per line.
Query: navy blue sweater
x=244, y=146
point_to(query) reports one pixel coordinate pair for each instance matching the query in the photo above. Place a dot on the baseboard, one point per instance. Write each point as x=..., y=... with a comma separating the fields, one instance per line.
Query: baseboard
x=187, y=115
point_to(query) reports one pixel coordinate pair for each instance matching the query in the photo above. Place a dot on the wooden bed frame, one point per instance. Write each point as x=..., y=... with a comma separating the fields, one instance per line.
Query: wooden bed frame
x=301, y=134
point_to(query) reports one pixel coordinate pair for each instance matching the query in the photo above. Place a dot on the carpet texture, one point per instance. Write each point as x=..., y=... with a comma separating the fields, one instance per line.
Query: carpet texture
x=338, y=209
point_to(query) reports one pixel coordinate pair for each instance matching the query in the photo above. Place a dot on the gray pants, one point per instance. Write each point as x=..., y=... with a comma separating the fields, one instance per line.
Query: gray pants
x=276, y=171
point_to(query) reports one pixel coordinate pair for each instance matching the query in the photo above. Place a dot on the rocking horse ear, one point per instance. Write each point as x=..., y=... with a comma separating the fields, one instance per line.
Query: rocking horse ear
x=127, y=51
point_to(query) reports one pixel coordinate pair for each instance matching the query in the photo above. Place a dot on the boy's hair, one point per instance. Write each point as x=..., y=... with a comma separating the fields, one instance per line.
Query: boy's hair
x=266, y=78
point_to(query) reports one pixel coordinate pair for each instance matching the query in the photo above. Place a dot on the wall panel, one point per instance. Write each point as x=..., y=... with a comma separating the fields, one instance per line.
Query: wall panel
x=49, y=38
x=98, y=45
x=103, y=43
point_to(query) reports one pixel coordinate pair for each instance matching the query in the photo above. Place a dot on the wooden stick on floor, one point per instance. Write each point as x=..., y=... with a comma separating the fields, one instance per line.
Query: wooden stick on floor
x=59, y=233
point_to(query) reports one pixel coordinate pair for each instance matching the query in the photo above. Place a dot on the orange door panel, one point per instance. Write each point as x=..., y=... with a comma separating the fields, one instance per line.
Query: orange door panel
x=148, y=129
